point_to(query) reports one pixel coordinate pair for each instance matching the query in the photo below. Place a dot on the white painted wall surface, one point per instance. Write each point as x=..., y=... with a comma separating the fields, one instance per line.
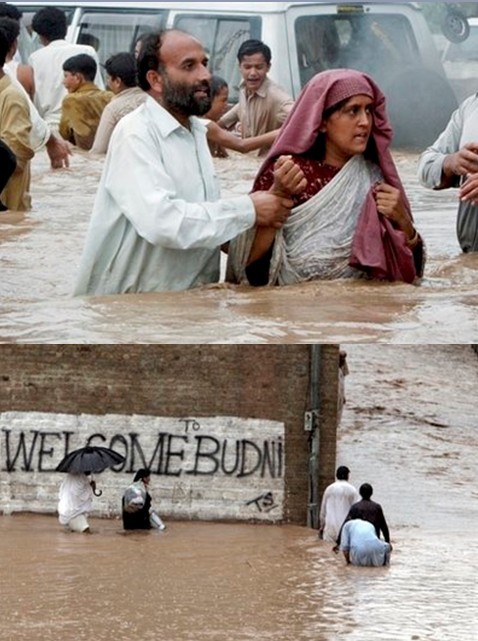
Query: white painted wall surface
x=208, y=468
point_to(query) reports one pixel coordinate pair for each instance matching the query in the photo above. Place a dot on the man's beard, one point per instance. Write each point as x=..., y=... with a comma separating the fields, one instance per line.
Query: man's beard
x=179, y=96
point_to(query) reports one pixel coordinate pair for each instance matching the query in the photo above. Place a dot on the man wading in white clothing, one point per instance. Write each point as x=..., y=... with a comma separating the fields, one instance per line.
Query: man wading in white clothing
x=336, y=503
x=157, y=221
x=75, y=501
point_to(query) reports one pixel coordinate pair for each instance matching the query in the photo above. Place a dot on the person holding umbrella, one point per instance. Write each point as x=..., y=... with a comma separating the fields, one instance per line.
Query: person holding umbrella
x=78, y=488
x=75, y=501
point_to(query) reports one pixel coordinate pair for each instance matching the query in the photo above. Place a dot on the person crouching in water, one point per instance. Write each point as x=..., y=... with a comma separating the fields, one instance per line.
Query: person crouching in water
x=137, y=512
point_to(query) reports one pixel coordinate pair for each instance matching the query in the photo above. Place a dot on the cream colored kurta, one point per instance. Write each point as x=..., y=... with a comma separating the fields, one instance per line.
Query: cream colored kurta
x=157, y=221
x=122, y=103
x=15, y=128
x=261, y=112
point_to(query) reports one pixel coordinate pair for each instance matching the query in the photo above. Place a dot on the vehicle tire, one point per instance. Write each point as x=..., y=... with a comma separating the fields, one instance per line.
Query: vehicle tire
x=419, y=104
x=455, y=26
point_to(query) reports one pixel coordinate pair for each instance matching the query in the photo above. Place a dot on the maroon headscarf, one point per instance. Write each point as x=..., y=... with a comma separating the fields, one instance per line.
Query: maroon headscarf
x=377, y=247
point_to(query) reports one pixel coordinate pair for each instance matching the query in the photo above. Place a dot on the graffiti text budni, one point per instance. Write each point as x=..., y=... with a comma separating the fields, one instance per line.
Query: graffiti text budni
x=165, y=453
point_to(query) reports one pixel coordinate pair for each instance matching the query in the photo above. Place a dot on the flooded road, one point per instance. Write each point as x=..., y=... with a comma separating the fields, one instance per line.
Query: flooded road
x=40, y=254
x=240, y=582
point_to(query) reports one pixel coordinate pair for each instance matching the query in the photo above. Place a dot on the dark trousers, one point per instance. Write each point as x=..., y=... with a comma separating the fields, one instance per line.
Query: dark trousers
x=8, y=162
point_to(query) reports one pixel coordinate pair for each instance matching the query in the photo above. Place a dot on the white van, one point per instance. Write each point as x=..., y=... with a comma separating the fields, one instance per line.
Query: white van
x=460, y=60
x=391, y=41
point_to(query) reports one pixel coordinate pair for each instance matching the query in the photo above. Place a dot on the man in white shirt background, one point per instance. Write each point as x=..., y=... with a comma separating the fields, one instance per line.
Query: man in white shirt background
x=50, y=24
x=337, y=500
x=452, y=162
x=157, y=222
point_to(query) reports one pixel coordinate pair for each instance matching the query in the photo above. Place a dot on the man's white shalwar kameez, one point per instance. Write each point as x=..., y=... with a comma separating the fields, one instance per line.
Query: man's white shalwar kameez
x=75, y=497
x=337, y=500
x=360, y=540
x=461, y=129
x=157, y=221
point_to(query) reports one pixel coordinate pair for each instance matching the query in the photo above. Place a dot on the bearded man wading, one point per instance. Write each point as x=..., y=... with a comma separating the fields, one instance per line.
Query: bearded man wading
x=157, y=221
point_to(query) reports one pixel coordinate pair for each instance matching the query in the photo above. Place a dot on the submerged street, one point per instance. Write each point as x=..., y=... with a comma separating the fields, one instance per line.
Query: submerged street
x=41, y=252
x=408, y=428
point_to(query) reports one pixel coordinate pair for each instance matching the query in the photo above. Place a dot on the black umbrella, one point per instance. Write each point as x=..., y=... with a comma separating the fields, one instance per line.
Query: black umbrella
x=91, y=458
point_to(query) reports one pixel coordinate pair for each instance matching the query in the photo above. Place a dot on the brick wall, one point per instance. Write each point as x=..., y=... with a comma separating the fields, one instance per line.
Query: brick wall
x=107, y=389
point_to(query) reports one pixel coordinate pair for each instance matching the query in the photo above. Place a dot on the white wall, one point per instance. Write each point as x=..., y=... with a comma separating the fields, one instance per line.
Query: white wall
x=202, y=468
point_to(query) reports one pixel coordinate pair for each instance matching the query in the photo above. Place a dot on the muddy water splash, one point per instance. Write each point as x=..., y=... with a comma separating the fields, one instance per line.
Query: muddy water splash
x=240, y=582
x=41, y=253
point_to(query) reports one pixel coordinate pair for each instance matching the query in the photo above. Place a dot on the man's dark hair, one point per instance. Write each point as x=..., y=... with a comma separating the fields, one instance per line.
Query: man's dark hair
x=4, y=44
x=366, y=490
x=342, y=473
x=82, y=63
x=50, y=23
x=11, y=30
x=9, y=11
x=250, y=47
x=123, y=66
x=150, y=57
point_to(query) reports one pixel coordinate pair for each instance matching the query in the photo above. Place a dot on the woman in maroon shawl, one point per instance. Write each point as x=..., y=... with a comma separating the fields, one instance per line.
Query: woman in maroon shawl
x=353, y=218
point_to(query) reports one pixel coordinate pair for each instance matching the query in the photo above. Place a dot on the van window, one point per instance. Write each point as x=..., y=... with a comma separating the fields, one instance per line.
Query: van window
x=222, y=36
x=372, y=43
x=111, y=33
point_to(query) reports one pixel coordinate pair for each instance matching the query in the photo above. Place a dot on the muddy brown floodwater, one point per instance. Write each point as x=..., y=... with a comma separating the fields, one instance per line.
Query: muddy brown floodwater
x=40, y=254
x=409, y=428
